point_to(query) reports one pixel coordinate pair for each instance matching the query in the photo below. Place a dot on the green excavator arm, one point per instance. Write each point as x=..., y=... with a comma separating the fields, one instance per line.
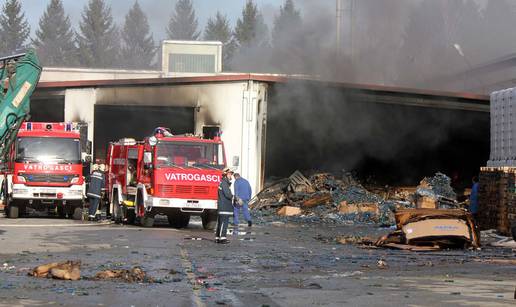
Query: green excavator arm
x=19, y=76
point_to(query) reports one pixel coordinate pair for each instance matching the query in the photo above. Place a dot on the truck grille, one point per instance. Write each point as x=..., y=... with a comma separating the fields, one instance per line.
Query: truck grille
x=48, y=178
x=184, y=189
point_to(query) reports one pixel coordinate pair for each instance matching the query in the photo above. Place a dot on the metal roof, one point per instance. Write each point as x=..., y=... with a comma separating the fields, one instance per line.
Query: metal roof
x=268, y=78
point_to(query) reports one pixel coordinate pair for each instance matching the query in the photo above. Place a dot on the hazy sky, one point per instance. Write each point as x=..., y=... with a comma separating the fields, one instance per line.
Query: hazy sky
x=159, y=11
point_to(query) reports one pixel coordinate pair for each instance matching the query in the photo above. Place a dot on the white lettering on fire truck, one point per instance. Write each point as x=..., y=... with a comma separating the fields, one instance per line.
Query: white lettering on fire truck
x=192, y=177
x=47, y=167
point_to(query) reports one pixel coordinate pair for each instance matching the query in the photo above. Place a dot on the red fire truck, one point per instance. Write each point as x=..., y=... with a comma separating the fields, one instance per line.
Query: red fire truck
x=176, y=176
x=45, y=169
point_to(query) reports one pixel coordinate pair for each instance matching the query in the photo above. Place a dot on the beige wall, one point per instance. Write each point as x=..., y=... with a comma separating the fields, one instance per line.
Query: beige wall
x=231, y=105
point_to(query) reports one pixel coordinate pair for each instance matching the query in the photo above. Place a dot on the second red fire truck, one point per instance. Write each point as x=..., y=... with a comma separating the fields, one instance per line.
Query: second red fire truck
x=45, y=169
x=176, y=176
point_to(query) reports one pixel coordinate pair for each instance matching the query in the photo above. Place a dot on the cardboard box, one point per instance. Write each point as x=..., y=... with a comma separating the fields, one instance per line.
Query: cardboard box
x=426, y=203
x=437, y=228
x=345, y=208
x=289, y=211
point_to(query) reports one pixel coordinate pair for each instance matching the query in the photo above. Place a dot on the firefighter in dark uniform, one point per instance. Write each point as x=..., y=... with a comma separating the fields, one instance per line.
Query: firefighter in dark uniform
x=224, y=206
x=94, y=190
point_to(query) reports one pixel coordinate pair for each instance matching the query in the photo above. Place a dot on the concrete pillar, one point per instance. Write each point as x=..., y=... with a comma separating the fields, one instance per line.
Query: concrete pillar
x=80, y=107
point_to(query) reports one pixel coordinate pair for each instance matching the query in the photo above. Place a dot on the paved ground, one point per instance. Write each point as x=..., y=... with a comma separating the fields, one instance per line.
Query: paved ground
x=273, y=265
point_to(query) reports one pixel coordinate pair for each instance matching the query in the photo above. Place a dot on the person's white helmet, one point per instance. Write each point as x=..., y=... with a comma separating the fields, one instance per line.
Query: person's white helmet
x=95, y=167
x=102, y=167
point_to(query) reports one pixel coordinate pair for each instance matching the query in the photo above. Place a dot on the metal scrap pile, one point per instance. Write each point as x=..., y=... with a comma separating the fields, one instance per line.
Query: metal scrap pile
x=324, y=198
x=436, y=192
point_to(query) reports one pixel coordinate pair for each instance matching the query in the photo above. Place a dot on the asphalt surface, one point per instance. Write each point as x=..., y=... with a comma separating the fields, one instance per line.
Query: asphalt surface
x=273, y=264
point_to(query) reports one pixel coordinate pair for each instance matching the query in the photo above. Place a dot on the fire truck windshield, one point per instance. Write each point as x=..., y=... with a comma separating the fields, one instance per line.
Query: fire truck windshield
x=47, y=149
x=189, y=154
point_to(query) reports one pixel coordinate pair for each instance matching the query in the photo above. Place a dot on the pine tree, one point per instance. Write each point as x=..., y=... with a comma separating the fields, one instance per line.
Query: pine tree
x=98, y=39
x=138, y=48
x=14, y=28
x=251, y=30
x=183, y=24
x=218, y=29
x=55, y=38
x=288, y=21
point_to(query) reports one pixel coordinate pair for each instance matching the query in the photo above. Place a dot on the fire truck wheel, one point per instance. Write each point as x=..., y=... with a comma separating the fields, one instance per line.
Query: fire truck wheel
x=209, y=220
x=77, y=213
x=13, y=212
x=147, y=221
x=179, y=220
x=118, y=212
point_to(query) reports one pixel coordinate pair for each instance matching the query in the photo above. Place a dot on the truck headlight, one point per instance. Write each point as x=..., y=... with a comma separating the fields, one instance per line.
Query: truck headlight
x=74, y=180
x=164, y=202
x=20, y=191
x=21, y=179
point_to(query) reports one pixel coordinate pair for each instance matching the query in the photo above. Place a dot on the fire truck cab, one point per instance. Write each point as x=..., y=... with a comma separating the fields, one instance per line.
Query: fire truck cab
x=176, y=176
x=45, y=170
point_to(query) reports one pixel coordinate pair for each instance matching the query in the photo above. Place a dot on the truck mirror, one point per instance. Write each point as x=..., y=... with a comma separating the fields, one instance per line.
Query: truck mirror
x=147, y=166
x=88, y=147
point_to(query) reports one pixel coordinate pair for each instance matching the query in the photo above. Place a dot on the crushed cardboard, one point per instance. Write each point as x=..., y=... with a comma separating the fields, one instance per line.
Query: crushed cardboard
x=289, y=211
x=430, y=228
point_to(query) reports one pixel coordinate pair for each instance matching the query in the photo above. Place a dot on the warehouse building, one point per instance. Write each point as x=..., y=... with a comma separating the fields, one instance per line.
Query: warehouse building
x=273, y=125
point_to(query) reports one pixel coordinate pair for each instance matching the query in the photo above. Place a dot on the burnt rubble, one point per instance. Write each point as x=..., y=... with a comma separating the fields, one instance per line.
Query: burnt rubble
x=325, y=198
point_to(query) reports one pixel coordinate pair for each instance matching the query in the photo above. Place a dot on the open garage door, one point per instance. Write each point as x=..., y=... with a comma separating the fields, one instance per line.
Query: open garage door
x=323, y=129
x=47, y=109
x=115, y=122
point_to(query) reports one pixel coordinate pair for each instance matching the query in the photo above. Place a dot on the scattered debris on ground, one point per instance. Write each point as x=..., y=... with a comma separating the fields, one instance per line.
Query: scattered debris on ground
x=135, y=274
x=431, y=229
x=324, y=198
x=69, y=270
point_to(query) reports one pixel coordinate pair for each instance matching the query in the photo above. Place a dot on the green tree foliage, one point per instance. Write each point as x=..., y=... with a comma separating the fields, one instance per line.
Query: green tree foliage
x=218, y=29
x=14, y=28
x=287, y=22
x=183, y=24
x=55, y=38
x=251, y=30
x=98, y=39
x=138, y=48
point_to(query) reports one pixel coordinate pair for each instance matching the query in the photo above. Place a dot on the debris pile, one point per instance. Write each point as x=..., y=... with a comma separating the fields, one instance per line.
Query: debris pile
x=69, y=270
x=135, y=274
x=436, y=192
x=324, y=198
x=431, y=229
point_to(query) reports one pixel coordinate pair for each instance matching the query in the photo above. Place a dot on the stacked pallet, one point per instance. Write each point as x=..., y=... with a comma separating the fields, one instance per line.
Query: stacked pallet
x=497, y=198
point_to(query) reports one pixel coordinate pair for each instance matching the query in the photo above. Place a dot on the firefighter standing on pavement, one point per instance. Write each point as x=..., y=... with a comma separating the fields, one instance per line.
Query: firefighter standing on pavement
x=224, y=206
x=95, y=189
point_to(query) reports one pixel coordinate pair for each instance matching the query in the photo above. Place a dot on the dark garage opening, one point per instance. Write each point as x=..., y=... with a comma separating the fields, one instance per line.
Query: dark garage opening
x=316, y=128
x=115, y=122
x=47, y=109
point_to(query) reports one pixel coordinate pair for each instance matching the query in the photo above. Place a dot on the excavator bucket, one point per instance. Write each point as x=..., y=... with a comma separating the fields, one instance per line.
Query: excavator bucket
x=19, y=76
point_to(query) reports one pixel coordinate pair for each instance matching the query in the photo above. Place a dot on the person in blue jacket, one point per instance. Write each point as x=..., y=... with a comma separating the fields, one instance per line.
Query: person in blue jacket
x=243, y=194
x=473, y=198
